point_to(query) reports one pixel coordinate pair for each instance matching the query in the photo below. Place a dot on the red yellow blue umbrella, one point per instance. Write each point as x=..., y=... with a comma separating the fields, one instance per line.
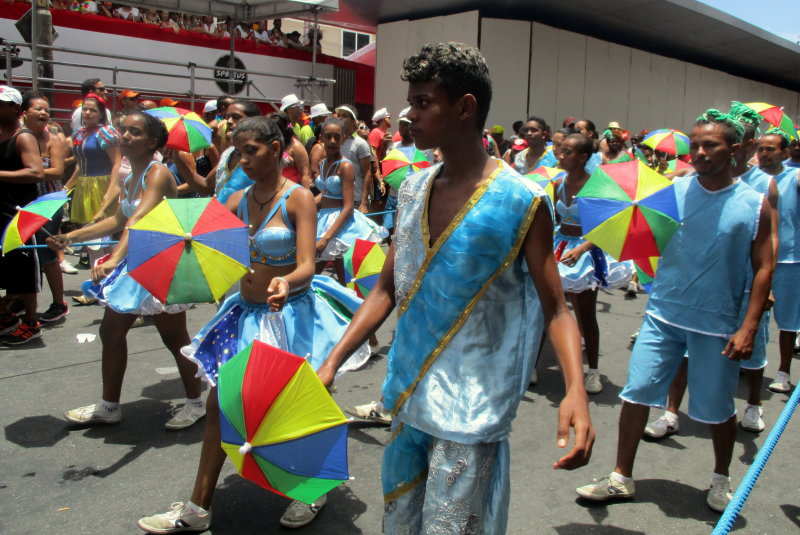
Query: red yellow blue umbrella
x=187, y=130
x=646, y=270
x=363, y=262
x=774, y=116
x=30, y=218
x=279, y=426
x=396, y=165
x=667, y=140
x=188, y=250
x=546, y=177
x=628, y=210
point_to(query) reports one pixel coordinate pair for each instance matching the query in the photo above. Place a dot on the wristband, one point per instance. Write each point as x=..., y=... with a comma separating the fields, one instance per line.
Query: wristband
x=288, y=286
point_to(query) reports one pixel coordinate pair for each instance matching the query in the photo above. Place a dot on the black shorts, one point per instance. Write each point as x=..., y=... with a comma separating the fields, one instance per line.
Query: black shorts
x=47, y=255
x=19, y=271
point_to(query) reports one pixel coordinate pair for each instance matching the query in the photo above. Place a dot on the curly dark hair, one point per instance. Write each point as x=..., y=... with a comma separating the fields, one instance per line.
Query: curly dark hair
x=457, y=68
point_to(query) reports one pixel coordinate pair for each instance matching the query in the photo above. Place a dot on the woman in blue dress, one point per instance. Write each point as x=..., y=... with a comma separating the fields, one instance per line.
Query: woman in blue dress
x=148, y=183
x=582, y=266
x=338, y=225
x=535, y=131
x=276, y=305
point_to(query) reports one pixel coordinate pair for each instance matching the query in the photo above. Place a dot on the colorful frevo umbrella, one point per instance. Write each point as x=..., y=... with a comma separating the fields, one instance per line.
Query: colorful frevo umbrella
x=363, y=262
x=546, y=177
x=669, y=141
x=396, y=166
x=677, y=165
x=628, y=210
x=646, y=270
x=187, y=130
x=30, y=218
x=279, y=426
x=774, y=116
x=188, y=250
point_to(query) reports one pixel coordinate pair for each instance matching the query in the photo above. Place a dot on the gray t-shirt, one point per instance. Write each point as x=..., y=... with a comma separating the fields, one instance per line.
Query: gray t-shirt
x=354, y=149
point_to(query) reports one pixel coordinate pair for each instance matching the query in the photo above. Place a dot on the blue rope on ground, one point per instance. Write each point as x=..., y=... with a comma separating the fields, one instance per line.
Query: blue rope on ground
x=727, y=519
x=82, y=244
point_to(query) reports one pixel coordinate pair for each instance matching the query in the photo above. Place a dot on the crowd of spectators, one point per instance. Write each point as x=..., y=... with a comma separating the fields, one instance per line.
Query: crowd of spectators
x=260, y=32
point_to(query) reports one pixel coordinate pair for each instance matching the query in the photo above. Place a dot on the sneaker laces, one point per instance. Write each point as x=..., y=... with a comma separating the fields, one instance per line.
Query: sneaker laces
x=176, y=511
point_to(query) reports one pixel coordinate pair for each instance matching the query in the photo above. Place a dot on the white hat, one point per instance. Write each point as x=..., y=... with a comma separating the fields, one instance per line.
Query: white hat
x=9, y=94
x=319, y=109
x=210, y=106
x=403, y=117
x=290, y=100
x=380, y=114
x=348, y=110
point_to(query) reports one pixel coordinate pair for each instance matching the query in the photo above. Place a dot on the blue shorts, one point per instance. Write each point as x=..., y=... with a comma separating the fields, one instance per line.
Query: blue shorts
x=657, y=354
x=388, y=219
x=786, y=289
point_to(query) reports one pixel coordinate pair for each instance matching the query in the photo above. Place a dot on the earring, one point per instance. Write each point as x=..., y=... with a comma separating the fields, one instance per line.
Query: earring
x=733, y=162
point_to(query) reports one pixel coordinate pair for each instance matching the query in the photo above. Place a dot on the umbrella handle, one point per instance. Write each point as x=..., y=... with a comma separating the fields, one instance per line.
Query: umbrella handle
x=67, y=248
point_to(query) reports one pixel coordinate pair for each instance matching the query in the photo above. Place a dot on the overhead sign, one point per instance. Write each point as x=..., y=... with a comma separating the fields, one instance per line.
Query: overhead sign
x=223, y=76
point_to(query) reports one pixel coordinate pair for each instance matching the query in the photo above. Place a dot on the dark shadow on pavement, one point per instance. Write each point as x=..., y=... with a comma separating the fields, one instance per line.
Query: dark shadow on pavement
x=675, y=499
x=243, y=507
x=792, y=512
x=582, y=529
x=43, y=431
x=365, y=438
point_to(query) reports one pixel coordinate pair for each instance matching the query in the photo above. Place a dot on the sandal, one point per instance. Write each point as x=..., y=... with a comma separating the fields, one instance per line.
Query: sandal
x=83, y=300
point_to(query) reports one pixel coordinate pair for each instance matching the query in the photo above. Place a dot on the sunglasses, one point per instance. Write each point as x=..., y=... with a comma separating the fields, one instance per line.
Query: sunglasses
x=362, y=127
x=103, y=89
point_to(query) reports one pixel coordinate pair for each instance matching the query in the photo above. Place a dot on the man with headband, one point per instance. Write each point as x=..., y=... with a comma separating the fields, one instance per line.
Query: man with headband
x=695, y=306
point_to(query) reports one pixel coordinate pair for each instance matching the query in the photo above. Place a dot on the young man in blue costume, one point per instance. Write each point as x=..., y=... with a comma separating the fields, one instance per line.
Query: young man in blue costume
x=472, y=273
x=695, y=307
x=771, y=151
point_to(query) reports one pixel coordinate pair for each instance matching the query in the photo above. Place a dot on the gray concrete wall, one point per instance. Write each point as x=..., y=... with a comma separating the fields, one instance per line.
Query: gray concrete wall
x=542, y=70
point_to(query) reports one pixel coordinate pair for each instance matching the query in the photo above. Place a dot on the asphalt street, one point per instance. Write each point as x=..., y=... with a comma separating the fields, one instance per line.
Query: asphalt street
x=65, y=480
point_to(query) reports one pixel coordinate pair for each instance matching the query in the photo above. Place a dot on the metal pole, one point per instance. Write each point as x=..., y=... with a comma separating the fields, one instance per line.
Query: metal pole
x=314, y=44
x=231, y=63
x=192, y=68
x=9, y=71
x=116, y=94
x=34, y=47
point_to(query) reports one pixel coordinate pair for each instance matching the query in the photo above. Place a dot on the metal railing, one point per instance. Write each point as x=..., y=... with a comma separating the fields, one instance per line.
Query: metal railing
x=315, y=85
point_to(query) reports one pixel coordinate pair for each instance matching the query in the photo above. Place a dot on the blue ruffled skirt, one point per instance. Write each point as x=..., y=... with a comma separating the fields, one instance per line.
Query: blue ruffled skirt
x=122, y=294
x=594, y=268
x=310, y=324
x=358, y=226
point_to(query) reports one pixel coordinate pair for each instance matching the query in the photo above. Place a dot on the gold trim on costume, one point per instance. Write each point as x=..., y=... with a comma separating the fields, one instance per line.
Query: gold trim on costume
x=405, y=487
x=426, y=234
x=462, y=318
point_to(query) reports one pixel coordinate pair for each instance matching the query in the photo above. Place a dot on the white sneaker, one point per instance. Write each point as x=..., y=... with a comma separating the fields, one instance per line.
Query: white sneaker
x=186, y=416
x=67, y=268
x=751, y=420
x=781, y=383
x=607, y=488
x=300, y=514
x=719, y=495
x=180, y=518
x=592, y=383
x=632, y=290
x=93, y=414
x=372, y=411
x=661, y=428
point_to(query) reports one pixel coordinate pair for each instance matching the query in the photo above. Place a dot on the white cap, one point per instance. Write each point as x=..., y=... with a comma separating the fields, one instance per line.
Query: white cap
x=290, y=100
x=380, y=114
x=210, y=106
x=9, y=94
x=353, y=114
x=404, y=115
x=319, y=109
